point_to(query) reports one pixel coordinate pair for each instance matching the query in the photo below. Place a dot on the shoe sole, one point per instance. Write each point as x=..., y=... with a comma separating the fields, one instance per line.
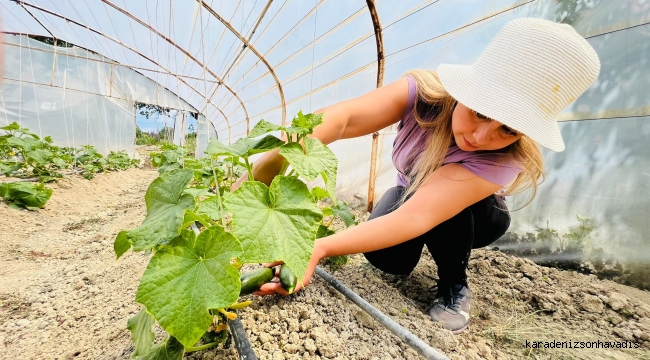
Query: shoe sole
x=456, y=332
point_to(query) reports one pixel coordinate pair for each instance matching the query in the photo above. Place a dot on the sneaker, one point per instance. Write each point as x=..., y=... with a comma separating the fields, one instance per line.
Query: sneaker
x=452, y=307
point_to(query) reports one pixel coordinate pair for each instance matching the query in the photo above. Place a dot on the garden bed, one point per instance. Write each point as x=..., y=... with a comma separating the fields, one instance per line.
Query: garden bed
x=65, y=296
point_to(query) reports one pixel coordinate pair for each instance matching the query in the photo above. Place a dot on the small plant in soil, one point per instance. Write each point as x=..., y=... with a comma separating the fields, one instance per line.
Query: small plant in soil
x=25, y=195
x=201, y=233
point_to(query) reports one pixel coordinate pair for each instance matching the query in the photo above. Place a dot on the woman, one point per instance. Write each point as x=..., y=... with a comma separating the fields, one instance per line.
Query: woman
x=466, y=133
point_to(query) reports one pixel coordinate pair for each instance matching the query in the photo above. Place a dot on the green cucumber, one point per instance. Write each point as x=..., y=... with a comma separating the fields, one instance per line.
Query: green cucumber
x=252, y=281
x=287, y=279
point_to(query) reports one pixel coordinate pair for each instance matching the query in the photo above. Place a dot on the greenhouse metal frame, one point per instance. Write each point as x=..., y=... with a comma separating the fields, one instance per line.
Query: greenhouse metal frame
x=237, y=62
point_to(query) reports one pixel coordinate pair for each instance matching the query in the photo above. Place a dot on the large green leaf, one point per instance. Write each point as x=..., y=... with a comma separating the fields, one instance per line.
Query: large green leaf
x=196, y=191
x=40, y=156
x=9, y=167
x=191, y=217
x=172, y=155
x=59, y=162
x=187, y=238
x=170, y=349
x=343, y=211
x=276, y=223
x=25, y=194
x=243, y=147
x=310, y=162
x=168, y=167
x=329, y=176
x=167, y=189
x=4, y=190
x=318, y=193
x=4, y=168
x=13, y=126
x=141, y=334
x=181, y=283
x=166, y=205
x=210, y=207
x=263, y=127
x=35, y=197
x=26, y=143
x=324, y=231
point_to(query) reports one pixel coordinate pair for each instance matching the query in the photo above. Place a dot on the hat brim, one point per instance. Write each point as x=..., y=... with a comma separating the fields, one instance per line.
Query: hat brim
x=493, y=99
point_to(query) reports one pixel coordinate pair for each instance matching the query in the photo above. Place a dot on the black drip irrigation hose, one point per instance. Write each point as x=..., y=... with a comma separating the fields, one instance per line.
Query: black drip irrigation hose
x=246, y=352
x=242, y=344
x=411, y=340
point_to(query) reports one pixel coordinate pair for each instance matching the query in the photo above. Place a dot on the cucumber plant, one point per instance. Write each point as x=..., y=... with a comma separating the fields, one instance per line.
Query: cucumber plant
x=201, y=233
x=25, y=195
x=24, y=154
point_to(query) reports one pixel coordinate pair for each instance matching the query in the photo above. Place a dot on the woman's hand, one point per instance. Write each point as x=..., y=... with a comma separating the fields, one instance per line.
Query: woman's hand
x=276, y=288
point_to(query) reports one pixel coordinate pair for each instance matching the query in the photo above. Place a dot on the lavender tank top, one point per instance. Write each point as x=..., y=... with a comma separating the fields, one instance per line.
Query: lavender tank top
x=411, y=140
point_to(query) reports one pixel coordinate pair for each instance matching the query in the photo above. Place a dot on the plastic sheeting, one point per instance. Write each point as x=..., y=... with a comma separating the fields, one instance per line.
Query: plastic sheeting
x=237, y=62
x=75, y=96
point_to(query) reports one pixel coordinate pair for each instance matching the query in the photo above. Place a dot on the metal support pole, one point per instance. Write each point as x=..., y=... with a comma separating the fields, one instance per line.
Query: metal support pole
x=110, y=83
x=376, y=23
x=53, y=63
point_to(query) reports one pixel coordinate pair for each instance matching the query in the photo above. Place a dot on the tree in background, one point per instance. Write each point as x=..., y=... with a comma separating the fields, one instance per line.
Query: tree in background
x=152, y=111
x=162, y=136
x=154, y=137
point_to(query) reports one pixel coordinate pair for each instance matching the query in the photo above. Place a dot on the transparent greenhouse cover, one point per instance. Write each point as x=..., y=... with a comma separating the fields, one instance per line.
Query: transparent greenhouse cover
x=236, y=62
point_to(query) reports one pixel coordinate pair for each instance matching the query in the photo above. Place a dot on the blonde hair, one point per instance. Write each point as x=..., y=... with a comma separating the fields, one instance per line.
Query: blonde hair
x=433, y=110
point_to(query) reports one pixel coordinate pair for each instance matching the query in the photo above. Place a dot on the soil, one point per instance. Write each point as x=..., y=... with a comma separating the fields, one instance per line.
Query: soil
x=64, y=296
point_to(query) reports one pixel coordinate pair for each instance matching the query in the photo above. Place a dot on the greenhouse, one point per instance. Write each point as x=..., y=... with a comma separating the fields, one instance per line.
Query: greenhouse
x=147, y=131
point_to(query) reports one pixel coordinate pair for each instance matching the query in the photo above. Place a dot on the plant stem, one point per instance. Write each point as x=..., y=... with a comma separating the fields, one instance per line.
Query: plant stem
x=202, y=347
x=232, y=172
x=300, y=138
x=218, y=191
x=285, y=165
x=250, y=170
x=204, y=223
x=291, y=172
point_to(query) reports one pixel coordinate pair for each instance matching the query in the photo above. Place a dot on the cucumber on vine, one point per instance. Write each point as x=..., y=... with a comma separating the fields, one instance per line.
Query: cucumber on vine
x=252, y=281
x=287, y=279
x=221, y=245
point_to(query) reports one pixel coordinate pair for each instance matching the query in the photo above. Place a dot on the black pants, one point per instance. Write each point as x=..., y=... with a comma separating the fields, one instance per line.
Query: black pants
x=450, y=243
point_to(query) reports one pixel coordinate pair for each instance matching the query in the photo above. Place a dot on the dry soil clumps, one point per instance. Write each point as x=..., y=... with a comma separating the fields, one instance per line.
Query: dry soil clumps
x=64, y=296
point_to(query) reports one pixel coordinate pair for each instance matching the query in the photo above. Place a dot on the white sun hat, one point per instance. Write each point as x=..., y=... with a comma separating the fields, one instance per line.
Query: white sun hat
x=528, y=74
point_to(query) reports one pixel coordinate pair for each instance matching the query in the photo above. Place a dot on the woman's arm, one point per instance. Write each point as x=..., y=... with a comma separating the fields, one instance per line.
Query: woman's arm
x=444, y=194
x=351, y=118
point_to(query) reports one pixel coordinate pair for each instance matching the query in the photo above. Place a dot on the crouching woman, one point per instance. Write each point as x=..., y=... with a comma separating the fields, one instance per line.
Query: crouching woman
x=467, y=135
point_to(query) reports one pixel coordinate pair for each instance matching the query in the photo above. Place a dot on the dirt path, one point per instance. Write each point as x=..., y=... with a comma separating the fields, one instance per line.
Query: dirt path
x=65, y=296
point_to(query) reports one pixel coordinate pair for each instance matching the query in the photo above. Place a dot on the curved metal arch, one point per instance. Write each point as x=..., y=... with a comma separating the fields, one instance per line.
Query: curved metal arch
x=295, y=76
x=262, y=33
x=122, y=44
x=186, y=53
x=304, y=48
x=247, y=44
